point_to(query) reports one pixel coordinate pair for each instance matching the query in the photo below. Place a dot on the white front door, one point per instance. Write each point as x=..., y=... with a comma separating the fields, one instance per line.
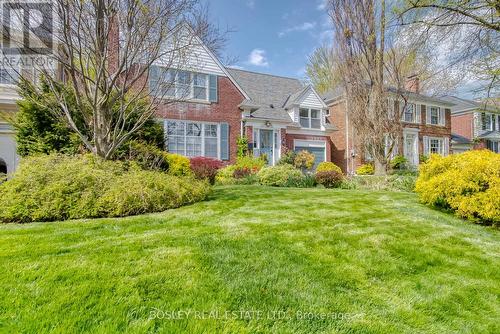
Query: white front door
x=411, y=148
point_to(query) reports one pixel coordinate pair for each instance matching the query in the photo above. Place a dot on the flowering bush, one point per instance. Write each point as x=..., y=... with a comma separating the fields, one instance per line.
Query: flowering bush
x=366, y=169
x=328, y=166
x=287, y=158
x=399, y=162
x=329, y=179
x=254, y=164
x=281, y=176
x=304, y=160
x=205, y=168
x=468, y=183
x=178, y=165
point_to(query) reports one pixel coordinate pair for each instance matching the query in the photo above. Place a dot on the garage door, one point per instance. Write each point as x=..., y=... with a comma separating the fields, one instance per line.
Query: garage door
x=316, y=148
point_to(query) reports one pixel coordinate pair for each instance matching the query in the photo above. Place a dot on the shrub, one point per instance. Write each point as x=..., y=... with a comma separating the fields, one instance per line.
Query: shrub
x=240, y=173
x=226, y=175
x=328, y=166
x=304, y=160
x=252, y=163
x=242, y=144
x=141, y=191
x=280, y=176
x=235, y=175
x=399, y=162
x=423, y=158
x=178, y=165
x=468, y=183
x=205, y=168
x=58, y=187
x=387, y=183
x=287, y=158
x=329, y=179
x=147, y=156
x=366, y=169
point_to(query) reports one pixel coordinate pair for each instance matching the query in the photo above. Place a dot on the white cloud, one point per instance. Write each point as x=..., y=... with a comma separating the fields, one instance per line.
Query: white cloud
x=237, y=67
x=301, y=27
x=251, y=4
x=258, y=58
x=322, y=5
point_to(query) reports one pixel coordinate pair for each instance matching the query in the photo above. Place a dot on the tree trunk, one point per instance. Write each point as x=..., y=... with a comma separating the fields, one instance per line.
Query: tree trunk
x=380, y=167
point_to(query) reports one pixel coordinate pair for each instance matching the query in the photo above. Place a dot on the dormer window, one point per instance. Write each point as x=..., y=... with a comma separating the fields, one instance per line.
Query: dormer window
x=310, y=118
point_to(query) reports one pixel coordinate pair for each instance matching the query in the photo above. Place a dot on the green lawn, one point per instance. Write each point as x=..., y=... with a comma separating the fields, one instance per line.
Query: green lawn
x=295, y=260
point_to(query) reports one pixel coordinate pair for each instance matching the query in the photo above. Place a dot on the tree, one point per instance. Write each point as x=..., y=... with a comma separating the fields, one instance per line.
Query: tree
x=321, y=69
x=368, y=59
x=104, y=50
x=38, y=130
x=470, y=30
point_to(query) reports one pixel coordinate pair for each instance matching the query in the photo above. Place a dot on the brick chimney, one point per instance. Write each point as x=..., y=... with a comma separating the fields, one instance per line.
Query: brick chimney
x=412, y=84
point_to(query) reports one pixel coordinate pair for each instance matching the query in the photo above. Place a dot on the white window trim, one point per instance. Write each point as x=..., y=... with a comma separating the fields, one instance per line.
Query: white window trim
x=416, y=119
x=190, y=96
x=202, y=123
x=441, y=116
x=309, y=118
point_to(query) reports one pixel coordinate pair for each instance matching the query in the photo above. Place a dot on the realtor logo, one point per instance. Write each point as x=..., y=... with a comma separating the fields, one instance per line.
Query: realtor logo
x=27, y=27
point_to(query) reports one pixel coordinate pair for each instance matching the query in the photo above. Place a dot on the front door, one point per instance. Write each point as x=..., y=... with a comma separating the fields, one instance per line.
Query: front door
x=266, y=144
x=410, y=148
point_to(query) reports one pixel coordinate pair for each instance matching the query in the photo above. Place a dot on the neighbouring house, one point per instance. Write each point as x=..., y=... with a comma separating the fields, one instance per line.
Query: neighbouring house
x=426, y=128
x=478, y=123
x=8, y=96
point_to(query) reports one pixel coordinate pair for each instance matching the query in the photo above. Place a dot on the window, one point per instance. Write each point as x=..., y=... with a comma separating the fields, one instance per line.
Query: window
x=410, y=114
x=435, y=146
x=487, y=122
x=193, y=139
x=183, y=84
x=493, y=145
x=310, y=118
x=436, y=118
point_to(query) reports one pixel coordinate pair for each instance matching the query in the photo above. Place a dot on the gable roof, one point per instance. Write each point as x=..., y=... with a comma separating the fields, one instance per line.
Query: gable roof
x=268, y=93
x=271, y=95
x=207, y=51
x=337, y=93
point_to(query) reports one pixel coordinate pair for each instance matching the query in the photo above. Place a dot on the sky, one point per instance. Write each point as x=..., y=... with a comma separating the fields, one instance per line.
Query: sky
x=277, y=36
x=272, y=36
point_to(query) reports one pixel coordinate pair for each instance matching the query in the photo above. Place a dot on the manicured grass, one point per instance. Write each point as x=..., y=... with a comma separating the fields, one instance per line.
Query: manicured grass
x=357, y=262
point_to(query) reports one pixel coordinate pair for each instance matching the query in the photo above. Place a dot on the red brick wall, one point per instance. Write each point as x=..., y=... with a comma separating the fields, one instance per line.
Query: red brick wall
x=289, y=139
x=224, y=111
x=340, y=156
x=463, y=125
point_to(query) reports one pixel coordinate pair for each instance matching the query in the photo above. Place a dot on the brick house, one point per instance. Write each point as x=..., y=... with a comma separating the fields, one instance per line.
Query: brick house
x=426, y=128
x=475, y=125
x=275, y=113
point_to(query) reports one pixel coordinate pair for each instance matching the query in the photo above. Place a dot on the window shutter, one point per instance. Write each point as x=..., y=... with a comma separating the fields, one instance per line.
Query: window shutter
x=442, y=113
x=224, y=141
x=426, y=145
x=427, y=115
x=446, y=143
x=213, y=94
x=418, y=113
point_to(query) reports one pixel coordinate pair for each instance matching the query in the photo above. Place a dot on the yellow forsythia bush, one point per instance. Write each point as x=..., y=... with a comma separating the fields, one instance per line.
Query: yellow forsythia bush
x=328, y=166
x=366, y=169
x=468, y=183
